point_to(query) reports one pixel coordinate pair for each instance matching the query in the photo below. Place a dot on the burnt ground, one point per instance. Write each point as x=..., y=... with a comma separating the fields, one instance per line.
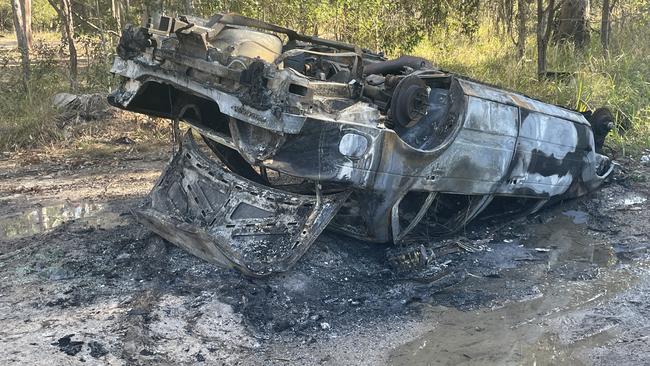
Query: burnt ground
x=82, y=282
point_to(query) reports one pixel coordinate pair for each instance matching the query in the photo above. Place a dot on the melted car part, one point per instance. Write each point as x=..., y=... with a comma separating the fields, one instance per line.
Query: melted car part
x=230, y=221
x=397, y=66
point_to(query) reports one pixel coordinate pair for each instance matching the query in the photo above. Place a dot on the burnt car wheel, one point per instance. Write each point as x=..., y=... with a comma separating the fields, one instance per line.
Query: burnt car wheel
x=602, y=122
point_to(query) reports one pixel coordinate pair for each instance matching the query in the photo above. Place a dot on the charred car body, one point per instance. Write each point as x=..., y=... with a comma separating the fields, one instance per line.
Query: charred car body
x=310, y=133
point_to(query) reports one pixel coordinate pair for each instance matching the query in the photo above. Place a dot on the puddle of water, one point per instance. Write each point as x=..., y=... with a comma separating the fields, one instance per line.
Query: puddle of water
x=537, y=331
x=569, y=240
x=579, y=217
x=42, y=219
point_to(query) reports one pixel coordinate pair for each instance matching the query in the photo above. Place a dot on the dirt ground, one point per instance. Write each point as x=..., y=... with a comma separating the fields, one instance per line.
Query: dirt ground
x=84, y=283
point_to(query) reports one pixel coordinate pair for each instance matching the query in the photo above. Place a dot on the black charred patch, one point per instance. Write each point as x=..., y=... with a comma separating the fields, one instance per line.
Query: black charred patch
x=97, y=349
x=68, y=346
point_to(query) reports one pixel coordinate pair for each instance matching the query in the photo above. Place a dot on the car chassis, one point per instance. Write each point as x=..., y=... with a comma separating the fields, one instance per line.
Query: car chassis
x=311, y=133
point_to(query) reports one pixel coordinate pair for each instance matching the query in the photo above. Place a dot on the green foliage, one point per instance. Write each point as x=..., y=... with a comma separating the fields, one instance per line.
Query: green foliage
x=6, y=21
x=26, y=118
x=44, y=16
x=97, y=56
x=391, y=26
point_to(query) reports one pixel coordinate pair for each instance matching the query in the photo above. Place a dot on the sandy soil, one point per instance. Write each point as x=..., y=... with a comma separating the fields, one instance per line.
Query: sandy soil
x=82, y=282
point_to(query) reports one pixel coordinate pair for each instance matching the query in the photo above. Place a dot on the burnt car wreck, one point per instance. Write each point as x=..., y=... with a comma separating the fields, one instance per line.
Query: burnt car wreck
x=307, y=133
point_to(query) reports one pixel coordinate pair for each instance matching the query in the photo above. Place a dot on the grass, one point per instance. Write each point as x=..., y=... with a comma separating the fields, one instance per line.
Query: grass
x=620, y=81
x=28, y=118
x=8, y=41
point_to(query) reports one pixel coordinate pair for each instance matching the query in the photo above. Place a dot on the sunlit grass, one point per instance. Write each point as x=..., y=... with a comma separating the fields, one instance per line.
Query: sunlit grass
x=28, y=118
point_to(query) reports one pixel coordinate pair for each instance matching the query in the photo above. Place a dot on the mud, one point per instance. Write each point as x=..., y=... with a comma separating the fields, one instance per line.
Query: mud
x=82, y=282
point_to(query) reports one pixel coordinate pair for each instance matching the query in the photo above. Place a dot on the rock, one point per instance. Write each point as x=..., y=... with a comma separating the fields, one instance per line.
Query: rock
x=645, y=159
x=63, y=100
x=80, y=108
x=123, y=256
x=199, y=357
x=56, y=273
x=124, y=140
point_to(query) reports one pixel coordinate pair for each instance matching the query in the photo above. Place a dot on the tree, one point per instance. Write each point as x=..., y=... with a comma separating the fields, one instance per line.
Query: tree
x=115, y=12
x=64, y=9
x=606, y=24
x=544, y=26
x=189, y=7
x=505, y=13
x=573, y=22
x=17, y=11
x=27, y=22
x=126, y=12
x=522, y=16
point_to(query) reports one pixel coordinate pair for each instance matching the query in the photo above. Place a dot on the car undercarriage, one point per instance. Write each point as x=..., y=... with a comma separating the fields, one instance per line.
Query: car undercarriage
x=291, y=134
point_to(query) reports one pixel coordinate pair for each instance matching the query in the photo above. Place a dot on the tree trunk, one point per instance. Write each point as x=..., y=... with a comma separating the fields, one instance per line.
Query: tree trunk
x=573, y=22
x=72, y=49
x=605, y=26
x=189, y=7
x=541, y=42
x=522, y=15
x=127, y=10
x=64, y=9
x=145, y=15
x=544, y=24
x=17, y=11
x=100, y=21
x=508, y=6
x=27, y=22
x=115, y=12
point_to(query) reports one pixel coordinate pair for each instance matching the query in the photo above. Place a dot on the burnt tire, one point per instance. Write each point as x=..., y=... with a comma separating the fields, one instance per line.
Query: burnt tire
x=602, y=122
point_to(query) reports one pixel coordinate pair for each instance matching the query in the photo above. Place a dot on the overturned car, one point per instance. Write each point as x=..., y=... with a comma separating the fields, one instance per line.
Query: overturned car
x=301, y=133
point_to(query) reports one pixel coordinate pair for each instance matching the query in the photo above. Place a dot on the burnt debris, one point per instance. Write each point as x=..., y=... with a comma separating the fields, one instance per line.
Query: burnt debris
x=68, y=346
x=309, y=133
